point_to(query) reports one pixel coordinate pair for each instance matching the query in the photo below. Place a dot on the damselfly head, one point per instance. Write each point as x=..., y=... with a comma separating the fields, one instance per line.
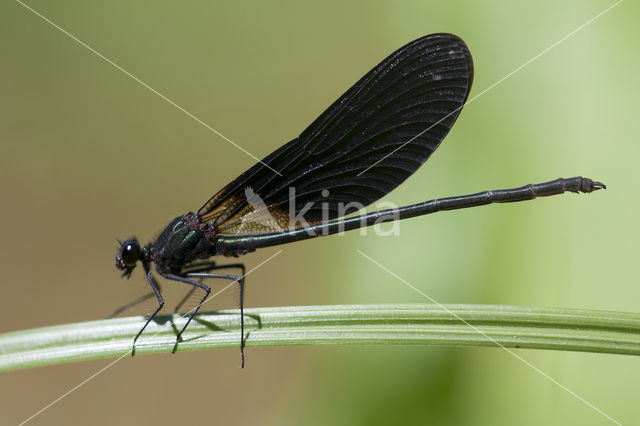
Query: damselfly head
x=127, y=257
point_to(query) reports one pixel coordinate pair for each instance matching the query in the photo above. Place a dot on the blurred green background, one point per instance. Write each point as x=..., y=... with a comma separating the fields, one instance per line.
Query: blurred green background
x=88, y=155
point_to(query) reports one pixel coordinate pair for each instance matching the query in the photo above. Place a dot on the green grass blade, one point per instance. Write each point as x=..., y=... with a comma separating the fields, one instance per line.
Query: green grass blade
x=450, y=325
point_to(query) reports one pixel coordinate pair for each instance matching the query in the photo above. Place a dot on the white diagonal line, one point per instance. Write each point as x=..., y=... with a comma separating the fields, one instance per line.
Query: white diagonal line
x=64, y=395
x=494, y=84
x=493, y=340
x=124, y=355
x=127, y=73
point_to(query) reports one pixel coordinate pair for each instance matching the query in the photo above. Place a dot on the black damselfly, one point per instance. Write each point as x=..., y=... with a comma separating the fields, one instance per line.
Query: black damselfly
x=362, y=147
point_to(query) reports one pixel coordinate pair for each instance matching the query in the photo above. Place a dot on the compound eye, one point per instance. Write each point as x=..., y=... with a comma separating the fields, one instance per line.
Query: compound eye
x=130, y=252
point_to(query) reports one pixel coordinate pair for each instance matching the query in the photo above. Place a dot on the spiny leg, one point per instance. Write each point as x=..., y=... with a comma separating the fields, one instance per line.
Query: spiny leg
x=241, y=286
x=156, y=290
x=203, y=267
x=239, y=279
x=193, y=312
x=194, y=267
x=190, y=273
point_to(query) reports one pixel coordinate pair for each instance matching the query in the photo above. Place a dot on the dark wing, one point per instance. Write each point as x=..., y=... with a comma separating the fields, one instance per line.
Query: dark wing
x=363, y=146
